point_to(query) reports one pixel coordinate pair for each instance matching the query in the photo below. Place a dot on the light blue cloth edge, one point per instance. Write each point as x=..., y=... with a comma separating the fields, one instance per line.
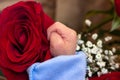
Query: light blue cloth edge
x=81, y=55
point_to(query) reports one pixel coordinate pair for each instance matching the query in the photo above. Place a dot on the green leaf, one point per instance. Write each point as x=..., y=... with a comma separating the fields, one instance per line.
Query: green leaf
x=112, y=1
x=115, y=23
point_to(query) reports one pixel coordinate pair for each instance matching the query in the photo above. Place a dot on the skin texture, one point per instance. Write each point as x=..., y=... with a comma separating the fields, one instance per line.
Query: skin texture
x=62, y=39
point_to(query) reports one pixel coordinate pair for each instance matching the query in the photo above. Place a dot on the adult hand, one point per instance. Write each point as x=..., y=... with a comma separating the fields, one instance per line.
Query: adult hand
x=62, y=39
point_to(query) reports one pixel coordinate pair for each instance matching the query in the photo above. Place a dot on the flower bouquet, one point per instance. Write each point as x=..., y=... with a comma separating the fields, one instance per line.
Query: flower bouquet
x=101, y=44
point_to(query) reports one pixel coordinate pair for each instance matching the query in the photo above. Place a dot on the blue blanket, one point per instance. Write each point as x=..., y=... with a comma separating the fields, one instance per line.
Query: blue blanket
x=65, y=67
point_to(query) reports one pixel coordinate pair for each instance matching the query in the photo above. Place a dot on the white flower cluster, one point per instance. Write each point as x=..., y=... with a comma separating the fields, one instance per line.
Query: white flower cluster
x=99, y=61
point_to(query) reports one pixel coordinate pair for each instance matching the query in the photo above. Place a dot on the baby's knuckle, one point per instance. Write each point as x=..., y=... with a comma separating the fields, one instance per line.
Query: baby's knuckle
x=73, y=33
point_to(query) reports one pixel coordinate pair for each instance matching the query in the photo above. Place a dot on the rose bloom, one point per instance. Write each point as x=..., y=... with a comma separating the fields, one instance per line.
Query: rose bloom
x=109, y=76
x=23, y=38
x=117, y=7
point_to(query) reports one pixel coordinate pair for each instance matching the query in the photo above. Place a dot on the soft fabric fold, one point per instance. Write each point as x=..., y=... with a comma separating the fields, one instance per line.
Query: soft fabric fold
x=65, y=67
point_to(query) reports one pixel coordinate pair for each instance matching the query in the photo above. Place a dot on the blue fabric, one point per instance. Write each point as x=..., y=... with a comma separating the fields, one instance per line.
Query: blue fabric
x=65, y=67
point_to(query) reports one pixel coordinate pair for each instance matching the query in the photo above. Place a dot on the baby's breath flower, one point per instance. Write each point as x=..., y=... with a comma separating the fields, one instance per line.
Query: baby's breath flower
x=98, y=73
x=88, y=67
x=98, y=57
x=106, y=52
x=88, y=22
x=117, y=65
x=90, y=73
x=99, y=51
x=84, y=50
x=79, y=36
x=80, y=42
x=110, y=53
x=83, y=46
x=101, y=64
x=112, y=57
x=113, y=50
x=89, y=50
x=89, y=44
x=78, y=47
x=106, y=57
x=108, y=38
x=100, y=60
x=99, y=43
x=90, y=58
x=94, y=36
x=94, y=50
x=95, y=69
x=112, y=67
x=104, y=70
x=112, y=62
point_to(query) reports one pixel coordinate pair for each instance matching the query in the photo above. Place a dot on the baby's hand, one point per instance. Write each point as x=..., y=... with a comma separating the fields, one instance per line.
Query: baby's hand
x=62, y=39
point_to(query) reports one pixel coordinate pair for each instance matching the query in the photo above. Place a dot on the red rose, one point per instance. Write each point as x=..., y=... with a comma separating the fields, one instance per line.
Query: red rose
x=23, y=38
x=117, y=6
x=109, y=76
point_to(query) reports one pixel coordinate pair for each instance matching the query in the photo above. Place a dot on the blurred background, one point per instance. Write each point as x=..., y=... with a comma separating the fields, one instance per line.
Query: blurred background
x=69, y=12
x=73, y=14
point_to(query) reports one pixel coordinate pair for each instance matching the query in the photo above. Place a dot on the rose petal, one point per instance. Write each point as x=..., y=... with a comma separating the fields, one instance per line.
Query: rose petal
x=117, y=7
x=23, y=38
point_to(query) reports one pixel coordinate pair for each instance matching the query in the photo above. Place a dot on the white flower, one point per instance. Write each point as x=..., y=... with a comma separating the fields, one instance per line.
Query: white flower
x=88, y=22
x=101, y=64
x=112, y=62
x=95, y=69
x=112, y=57
x=94, y=50
x=99, y=60
x=80, y=42
x=113, y=68
x=90, y=58
x=108, y=38
x=89, y=50
x=113, y=50
x=78, y=47
x=89, y=44
x=99, y=43
x=104, y=70
x=98, y=73
x=89, y=73
x=106, y=57
x=84, y=50
x=117, y=65
x=94, y=36
x=79, y=36
x=88, y=68
x=99, y=51
x=83, y=46
x=98, y=57
x=110, y=53
x=106, y=52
